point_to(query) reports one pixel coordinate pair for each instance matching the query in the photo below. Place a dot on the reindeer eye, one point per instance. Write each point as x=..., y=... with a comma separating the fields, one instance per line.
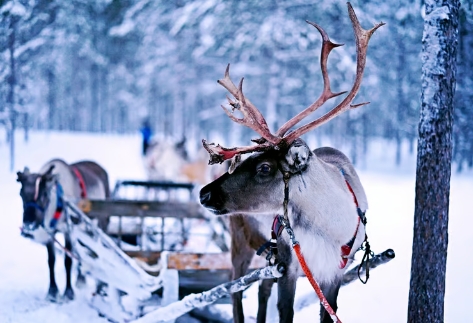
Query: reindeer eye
x=264, y=169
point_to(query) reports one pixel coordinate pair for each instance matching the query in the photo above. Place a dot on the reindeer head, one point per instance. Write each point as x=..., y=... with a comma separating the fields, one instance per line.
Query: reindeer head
x=257, y=184
x=35, y=194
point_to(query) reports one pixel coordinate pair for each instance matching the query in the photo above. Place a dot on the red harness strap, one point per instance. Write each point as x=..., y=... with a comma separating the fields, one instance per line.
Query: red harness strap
x=83, y=190
x=346, y=248
x=57, y=214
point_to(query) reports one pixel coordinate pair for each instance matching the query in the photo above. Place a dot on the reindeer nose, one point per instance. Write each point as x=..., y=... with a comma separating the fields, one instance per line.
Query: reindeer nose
x=204, y=197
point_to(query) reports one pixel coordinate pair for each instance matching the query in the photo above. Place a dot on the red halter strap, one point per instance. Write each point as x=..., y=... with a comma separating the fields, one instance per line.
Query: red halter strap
x=83, y=190
x=346, y=248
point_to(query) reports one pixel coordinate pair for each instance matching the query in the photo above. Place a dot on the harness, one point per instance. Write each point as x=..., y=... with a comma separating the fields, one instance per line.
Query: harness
x=346, y=248
x=59, y=198
x=83, y=190
x=277, y=228
x=59, y=205
x=281, y=222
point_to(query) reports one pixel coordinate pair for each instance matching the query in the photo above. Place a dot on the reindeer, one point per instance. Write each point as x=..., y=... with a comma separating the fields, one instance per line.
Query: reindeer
x=168, y=161
x=43, y=195
x=316, y=195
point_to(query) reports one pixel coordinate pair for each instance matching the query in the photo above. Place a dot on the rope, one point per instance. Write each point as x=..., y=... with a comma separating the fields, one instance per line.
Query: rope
x=318, y=291
x=67, y=251
x=297, y=248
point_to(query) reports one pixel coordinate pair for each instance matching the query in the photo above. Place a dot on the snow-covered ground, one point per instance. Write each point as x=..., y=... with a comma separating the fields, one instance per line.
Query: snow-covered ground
x=390, y=190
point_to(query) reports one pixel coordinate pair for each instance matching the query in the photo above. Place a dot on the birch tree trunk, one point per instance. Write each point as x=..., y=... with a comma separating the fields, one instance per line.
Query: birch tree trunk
x=434, y=153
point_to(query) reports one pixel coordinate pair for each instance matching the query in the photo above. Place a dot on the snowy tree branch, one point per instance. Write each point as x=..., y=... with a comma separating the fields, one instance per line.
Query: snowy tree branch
x=379, y=259
x=192, y=301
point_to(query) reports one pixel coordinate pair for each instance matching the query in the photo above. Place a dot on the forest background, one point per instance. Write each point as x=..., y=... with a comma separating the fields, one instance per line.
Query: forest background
x=106, y=65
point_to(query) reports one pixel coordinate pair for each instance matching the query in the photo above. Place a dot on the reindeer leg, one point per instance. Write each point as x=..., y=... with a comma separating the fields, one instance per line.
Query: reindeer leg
x=286, y=292
x=240, y=268
x=69, y=292
x=80, y=281
x=53, y=291
x=286, y=284
x=331, y=294
x=241, y=254
x=263, y=295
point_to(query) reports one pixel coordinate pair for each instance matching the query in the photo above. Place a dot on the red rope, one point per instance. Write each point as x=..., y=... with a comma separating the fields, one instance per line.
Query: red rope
x=318, y=291
x=69, y=253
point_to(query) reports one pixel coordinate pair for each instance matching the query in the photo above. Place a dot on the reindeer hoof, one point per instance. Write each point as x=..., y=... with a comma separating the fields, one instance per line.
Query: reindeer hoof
x=81, y=282
x=69, y=294
x=53, y=294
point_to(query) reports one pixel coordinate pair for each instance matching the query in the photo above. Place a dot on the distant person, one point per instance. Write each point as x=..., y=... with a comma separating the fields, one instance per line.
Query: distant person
x=147, y=133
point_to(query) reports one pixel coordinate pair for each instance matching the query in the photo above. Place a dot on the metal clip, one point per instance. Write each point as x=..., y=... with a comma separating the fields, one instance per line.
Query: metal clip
x=289, y=230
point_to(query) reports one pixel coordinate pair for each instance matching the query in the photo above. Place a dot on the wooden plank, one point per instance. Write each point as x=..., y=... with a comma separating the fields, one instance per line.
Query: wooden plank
x=99, y=208
x=157, y=184
x=160, y=185
x=199, y=261
x=195, y=261
x=150, y=257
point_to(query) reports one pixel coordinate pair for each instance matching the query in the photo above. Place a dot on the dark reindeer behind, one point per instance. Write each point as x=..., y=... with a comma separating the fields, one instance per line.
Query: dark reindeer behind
x=42, y=194
x=316, y=193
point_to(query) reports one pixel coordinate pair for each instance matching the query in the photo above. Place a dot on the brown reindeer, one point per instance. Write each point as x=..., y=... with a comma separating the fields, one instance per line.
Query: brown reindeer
x=316, y=195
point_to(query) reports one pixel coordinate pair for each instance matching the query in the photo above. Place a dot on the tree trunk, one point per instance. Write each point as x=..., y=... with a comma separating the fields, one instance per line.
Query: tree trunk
x=95, y=106
x=26, y=126
x=401, y=101
x=106, y=118
x=52, y=96
x=434, y=153
x=11, y=91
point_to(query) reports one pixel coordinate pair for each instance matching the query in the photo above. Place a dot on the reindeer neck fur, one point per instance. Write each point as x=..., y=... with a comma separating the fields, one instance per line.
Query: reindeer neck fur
x=323, y=216
x=66, y=178
x=320, y=200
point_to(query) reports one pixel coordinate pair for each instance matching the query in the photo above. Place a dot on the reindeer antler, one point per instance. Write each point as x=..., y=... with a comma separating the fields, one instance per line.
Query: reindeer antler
x=253, y=118
x=362, y=38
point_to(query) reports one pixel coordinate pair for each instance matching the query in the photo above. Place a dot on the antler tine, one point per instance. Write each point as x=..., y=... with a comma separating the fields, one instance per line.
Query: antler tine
x=327, y=46
x=227, y=83
x=252, y=117
x=219, y=154
x=362, y=37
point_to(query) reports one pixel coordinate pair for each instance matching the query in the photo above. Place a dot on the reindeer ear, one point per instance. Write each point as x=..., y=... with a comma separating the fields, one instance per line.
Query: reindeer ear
x=297, y=157
x=21, y=176
x=236, y=160
x=48, y=175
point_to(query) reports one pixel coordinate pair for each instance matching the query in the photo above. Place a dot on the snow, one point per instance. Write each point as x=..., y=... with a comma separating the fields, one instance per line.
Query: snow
x=23, y=264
